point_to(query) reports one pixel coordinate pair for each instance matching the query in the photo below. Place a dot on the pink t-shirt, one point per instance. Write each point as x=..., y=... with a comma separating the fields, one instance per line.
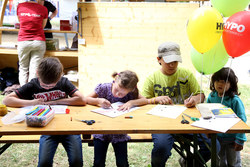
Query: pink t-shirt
x=31, y=17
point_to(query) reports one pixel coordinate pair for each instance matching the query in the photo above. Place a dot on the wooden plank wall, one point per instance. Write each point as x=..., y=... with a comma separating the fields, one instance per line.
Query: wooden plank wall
x=121, y=36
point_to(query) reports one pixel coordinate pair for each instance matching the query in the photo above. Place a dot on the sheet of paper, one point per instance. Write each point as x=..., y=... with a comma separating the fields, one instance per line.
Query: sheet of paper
x=113, y=112
x=216, y=124
x=59, y=109
x=169, y=111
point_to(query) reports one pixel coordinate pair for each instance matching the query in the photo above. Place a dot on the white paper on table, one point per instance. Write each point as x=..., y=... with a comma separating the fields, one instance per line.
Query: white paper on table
x=59, y=109
x=113, y=112
x=216, y=124
x=169, y=111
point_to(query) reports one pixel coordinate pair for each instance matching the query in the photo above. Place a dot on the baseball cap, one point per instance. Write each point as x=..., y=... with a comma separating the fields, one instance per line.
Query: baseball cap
x=169, y=51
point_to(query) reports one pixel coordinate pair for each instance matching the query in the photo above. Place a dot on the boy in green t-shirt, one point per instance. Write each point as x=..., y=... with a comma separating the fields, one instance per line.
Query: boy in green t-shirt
x=172, y=85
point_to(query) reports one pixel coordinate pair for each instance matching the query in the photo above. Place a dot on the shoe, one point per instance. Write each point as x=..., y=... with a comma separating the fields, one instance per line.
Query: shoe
x=182, y=162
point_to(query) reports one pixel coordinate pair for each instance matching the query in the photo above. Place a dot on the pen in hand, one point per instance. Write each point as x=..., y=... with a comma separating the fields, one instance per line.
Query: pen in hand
x=190, y=97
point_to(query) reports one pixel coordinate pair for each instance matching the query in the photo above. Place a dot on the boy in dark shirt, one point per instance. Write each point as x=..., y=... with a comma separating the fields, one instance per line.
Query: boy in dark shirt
x=50, y=87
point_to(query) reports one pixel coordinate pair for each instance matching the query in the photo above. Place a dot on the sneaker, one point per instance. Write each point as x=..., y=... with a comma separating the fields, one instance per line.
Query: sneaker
x=182, y=162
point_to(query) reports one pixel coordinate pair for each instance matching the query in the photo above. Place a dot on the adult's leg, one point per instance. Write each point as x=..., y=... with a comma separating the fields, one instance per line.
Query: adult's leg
x=100, y=151
x=36, y=56
x=163, y=144
x=73, y=147
x=121, y=154
x=47, y=149
x=23, y=50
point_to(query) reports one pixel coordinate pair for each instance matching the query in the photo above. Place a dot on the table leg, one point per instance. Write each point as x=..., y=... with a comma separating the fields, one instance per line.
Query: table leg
x=4, y=147
x=196, y=157
x=66, y=40
x=213, y=150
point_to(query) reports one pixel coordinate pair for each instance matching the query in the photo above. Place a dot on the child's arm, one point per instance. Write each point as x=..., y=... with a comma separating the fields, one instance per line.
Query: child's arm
x=12, y=100
x=131, y=103
x=94, y=100
x=192, y=101
x=77, y=99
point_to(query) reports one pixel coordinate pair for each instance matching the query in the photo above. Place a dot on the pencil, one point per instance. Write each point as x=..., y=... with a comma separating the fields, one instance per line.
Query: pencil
x=190, y=96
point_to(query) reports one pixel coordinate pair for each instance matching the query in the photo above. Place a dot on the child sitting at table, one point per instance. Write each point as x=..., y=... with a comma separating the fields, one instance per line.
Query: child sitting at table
x=122, y=89
x=225, y=90
x=41, y=91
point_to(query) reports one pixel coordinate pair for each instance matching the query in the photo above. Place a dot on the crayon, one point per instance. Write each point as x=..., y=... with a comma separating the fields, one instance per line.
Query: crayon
x=39, y=112
x=129, y=117
x=33, y=111
x=45, y=112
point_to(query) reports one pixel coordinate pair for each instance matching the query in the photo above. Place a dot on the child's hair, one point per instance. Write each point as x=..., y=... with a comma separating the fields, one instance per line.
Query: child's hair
x=128, y=80
x=50, y=70
x=222, y=74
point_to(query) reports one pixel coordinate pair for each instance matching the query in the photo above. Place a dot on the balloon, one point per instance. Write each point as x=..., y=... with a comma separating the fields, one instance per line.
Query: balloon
x=10, y=5
x=229, y=7
x=211, y=61
x=236, y=34
x=204, y=28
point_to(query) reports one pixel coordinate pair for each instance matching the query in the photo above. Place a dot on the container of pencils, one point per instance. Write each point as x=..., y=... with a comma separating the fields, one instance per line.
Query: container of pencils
x=39, y=116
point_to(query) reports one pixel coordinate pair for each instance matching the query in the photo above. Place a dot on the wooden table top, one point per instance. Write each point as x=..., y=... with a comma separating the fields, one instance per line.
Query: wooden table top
x=140, y=123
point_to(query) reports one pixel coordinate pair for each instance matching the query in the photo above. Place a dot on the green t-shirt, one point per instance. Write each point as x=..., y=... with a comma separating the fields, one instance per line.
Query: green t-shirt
x=178, y=86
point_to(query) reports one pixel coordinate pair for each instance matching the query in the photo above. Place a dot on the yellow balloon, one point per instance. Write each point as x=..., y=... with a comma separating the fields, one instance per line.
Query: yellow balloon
x=204, y=28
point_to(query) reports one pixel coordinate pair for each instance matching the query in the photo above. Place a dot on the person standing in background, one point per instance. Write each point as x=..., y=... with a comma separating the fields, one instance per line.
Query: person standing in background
x=51, y=8
x=32, y=17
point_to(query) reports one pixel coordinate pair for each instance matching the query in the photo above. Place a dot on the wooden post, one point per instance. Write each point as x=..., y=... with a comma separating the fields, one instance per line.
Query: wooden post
x=4, y=4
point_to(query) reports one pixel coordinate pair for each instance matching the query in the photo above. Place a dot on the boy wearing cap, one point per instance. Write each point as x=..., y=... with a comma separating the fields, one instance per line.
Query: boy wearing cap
x=172, y=85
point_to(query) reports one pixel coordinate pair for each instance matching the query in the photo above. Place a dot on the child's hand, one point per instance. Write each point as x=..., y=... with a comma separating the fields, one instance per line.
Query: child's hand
x=125, y=106
x=37, y=102
x=104, y=103
x=238, y=147
x=162, y=100
x=190, y=102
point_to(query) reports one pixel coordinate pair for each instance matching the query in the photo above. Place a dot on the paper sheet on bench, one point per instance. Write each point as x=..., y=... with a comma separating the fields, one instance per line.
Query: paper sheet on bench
x=113, y=112
x=216, y=124
x=169, y=111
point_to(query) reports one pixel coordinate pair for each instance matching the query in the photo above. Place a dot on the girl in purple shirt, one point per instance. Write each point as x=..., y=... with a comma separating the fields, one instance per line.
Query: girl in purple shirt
x=122, y=89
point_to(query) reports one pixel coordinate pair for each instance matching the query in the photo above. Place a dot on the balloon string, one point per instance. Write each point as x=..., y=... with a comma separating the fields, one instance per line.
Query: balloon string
x=214, y=54
x=201, y=77
x=226, y=81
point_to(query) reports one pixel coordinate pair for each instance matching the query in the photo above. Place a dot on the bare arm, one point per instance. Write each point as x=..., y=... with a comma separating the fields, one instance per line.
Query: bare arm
x=12, y=100
x=77, y=99
x=160, y=100
x=131, y=103
x=199, y=98
x=94, y=100
x=53, y=14
x=44, y=22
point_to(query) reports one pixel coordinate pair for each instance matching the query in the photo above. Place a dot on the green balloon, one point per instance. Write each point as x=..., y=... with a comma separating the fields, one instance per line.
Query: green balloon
x=229, y=7
x=211, y=61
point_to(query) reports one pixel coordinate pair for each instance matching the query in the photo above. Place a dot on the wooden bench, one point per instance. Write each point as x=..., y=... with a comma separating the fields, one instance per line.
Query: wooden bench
x=182, y=145
x=10, y=139
x=85, y=138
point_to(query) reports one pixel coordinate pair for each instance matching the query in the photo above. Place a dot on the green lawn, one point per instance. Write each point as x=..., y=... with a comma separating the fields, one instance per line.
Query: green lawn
x=20, y=155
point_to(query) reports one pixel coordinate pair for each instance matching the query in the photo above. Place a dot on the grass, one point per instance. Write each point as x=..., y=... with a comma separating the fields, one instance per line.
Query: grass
x=20, y=155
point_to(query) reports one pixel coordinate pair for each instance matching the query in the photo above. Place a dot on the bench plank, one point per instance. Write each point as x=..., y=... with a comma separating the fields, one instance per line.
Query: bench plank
x=35, y=138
